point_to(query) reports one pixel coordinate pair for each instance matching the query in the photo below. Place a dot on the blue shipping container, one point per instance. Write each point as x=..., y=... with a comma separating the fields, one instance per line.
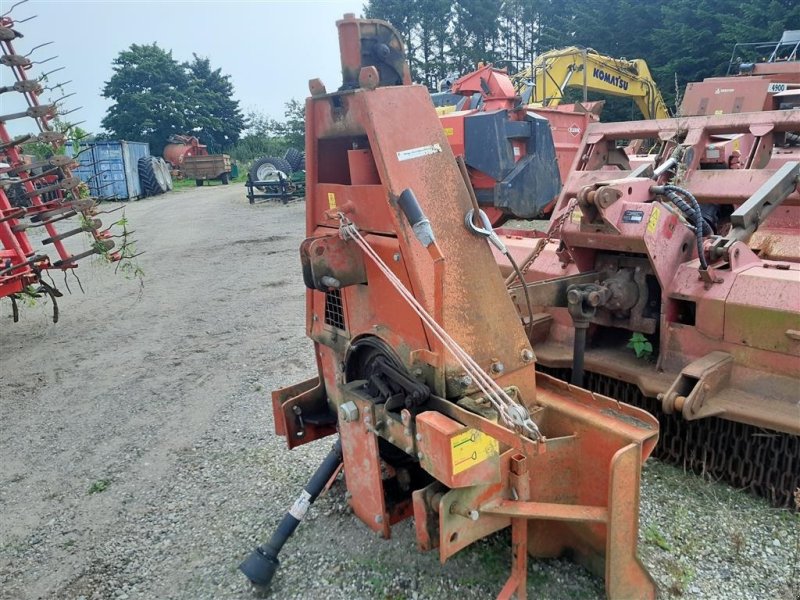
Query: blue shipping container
x=111, y=169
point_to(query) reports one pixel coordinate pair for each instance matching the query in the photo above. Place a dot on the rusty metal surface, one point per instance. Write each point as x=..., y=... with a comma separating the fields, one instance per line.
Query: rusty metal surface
x=302, y=413
x=714, y=124
x=747, y=305
x=766, y=463
x=209, y=166
x=362, y=470
x=391, y=455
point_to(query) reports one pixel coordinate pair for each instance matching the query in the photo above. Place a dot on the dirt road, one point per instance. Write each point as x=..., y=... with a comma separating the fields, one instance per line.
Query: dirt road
x=138, y=459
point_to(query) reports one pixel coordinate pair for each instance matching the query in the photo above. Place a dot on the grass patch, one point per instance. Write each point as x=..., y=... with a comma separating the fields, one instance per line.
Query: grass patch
x=179, y=184
x=101, y=485
x=655, y=537
x=682, y=576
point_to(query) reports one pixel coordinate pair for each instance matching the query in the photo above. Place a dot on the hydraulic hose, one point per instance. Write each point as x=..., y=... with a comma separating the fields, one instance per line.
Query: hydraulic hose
x=261, y=565
x=679, y=197
x=529, y=327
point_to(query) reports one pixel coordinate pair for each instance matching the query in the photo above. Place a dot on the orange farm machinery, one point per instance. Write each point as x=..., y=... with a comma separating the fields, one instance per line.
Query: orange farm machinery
x=426, y=372
x=516, y=156
x=671, y=280
x=181, y=147
x=39, y=192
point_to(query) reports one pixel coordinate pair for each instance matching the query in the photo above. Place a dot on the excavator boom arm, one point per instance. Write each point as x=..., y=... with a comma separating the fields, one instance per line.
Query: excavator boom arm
x=545, y=82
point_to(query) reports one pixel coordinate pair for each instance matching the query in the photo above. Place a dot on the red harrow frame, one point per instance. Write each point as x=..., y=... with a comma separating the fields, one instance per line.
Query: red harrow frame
x=48, y=190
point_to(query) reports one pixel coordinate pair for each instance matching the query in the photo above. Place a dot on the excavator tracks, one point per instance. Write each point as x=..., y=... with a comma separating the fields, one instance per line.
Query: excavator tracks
x=763, y=462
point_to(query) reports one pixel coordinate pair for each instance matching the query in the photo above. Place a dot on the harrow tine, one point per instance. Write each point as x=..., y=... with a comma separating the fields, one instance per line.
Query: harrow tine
x=41, y=62
x=69, y=126
x=63, y=98
x=42, y=174
x=105, y=185
x=114, y=237
x=26, y=226
x=13, y=6
x=17, y=213
x=14, y=308
x=57, y=86
x=80, y=205
x=28, y=263
x=92, y=226
x=98, y=248
x=45, y=110
x=17, y=141
x=84, y=150
x=43, y=76
x=63, y=114
x=68, y=183
x=57, y=160
x=35, y=48
x=53, y=293
x=12, y=116
x=108, y=212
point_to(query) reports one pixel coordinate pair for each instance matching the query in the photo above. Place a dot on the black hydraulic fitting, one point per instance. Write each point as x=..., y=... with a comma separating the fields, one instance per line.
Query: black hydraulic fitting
x=409, y=204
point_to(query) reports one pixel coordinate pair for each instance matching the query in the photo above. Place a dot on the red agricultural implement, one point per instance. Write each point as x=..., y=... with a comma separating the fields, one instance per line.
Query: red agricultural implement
x=673, y=279
x=181, y=147
x=425, y=370
x=38, y=193
x=516, y=156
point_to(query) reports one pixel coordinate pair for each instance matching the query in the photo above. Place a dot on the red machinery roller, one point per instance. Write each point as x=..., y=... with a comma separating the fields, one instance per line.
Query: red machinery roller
x=425, y=370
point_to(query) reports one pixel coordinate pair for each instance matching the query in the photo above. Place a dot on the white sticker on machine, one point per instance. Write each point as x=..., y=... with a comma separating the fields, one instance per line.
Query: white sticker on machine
x=417, y=152
x=300, y=506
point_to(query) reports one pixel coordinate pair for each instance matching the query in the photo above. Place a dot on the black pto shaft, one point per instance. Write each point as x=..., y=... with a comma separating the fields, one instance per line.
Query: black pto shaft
x=262, y=563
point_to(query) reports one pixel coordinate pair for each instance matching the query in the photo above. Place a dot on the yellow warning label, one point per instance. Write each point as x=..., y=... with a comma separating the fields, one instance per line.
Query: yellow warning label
x=652, y=223
x=471, y=448
x=737, y=145
x=331, y=200
x=576, y=215
x=448, y=131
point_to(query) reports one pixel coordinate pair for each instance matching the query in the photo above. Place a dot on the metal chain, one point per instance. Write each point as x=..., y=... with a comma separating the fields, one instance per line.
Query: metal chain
x=553, y=232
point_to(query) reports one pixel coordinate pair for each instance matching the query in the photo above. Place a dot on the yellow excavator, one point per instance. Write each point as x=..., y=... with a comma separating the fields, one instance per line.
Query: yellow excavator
x=544, y=83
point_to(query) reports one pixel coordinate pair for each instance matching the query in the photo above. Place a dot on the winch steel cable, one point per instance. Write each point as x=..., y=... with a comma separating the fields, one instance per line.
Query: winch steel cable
x=512, y=413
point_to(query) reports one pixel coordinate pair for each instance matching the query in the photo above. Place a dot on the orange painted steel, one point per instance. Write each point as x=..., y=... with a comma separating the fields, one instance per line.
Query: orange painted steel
x=461, y=475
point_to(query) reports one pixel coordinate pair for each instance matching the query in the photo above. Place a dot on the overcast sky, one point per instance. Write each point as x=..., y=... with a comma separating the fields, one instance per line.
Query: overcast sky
x=269, y=48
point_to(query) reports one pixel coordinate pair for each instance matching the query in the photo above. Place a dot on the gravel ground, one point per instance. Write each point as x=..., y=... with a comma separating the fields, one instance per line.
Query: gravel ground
x=139, y=460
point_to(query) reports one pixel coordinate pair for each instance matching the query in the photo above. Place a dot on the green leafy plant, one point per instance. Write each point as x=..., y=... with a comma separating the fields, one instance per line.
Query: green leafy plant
x=123, y=253
x=641, y=345
x=101, y=485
